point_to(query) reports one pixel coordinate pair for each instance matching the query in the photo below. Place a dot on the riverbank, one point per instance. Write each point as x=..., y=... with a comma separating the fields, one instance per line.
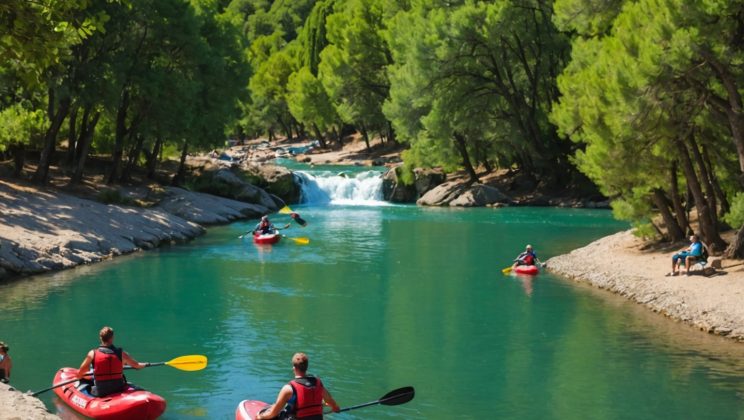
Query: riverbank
x=19, y=406
x=45, y=229
x=623, y=264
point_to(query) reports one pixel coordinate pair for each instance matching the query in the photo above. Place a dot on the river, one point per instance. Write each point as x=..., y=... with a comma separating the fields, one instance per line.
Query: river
x=384, y=296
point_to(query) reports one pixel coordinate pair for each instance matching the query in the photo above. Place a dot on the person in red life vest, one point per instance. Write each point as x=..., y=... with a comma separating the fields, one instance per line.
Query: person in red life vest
x=6, y=364
x=303, y=397
x=528, y=257
x=108, y=365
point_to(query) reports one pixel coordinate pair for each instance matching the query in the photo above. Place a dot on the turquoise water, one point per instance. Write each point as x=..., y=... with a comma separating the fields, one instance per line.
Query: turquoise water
x=381, y=298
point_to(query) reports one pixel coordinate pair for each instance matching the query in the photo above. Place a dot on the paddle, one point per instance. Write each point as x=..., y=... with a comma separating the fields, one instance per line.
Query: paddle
x=395, y=397
x=298, y=241
x=295, y=216
x=187, y=363
x=507, y=270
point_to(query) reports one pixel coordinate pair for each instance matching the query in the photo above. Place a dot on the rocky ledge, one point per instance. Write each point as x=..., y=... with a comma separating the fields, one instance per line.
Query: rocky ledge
x=43, y=229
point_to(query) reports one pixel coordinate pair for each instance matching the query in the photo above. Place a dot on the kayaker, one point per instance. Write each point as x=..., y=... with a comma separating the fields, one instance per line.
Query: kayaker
x=303, y=397
x=528, y=257
x=6, y=364
x=265, y=227
x=108, y=365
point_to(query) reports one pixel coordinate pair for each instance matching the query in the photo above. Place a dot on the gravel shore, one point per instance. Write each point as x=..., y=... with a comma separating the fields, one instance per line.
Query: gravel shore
x=619, y=264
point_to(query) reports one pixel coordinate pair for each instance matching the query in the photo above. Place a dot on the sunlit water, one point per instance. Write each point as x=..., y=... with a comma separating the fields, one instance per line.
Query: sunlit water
x=381, y=298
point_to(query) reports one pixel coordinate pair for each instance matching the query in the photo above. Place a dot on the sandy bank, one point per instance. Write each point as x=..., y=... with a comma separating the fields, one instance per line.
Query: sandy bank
x=15, y=405
x=617, y=263
x=43, y=229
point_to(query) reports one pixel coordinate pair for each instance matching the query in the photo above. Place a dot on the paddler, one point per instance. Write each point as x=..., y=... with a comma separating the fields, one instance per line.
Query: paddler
x=528, y=257
x=303, y=397
x=108, y=365
x=265, y=227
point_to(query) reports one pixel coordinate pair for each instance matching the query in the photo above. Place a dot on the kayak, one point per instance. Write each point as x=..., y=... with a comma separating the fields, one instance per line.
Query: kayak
x=530, y=270
x=267, y=238
x=248, y=409
x=133, y=403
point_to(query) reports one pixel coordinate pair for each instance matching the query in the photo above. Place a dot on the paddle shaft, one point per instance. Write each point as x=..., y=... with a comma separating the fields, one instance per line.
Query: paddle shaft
x=395, y=397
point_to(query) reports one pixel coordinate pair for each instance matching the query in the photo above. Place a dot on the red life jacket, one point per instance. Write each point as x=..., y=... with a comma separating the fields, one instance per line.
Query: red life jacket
x=527, y=258
x=107, y=364
x=308, y=392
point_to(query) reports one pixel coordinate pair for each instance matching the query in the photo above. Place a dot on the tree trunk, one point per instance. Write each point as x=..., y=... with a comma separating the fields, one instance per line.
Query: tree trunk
x=19, y=158
x=733, y=106
x=705, y=178
x=50, y=138
x=679, y=210
x=674, y=231
x=338, y=137
x=152, y=161
x=180, y=176
x=391, y=132
x=319, y=135
x=72, y=137
x=736, y=249
x=86, y=138
x=463, y=149
x=708, y=229
x=121, y=131
x=366, y=137
x=725, y=206
x=126, y=175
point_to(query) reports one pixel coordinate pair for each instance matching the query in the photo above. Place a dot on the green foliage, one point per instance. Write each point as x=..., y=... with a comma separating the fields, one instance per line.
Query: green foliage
x=638, y=86
x=735, y=217
x=21, y=126
x=353, y=67
x=476, y=76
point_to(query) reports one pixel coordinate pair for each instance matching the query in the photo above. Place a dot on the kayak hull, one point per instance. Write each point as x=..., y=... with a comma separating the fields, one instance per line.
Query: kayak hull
x=267, y=239
x=133, y=403
x=529, y=270
x=248, y=409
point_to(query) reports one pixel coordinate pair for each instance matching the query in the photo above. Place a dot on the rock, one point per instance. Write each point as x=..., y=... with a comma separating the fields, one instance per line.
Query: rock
x=276, y=180
x=394, y=190
x=715, y=263
x=207, y=209
x=443, y=194
x=15, y=405
x=225, y=183
x=427, y=179
x=479, y=195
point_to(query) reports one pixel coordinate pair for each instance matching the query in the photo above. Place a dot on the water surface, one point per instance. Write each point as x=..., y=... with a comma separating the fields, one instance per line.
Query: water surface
x=382, y=297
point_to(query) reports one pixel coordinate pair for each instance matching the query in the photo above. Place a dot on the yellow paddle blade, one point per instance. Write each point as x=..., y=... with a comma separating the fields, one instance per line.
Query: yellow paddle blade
x=285, y=210
x=301, y=241
x=507, y=270
x=189, y=363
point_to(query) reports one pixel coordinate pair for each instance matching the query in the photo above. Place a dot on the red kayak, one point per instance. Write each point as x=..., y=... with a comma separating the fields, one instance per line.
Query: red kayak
x=248, y=409
x=267, y=238
x=530, y=270
x=133, y=403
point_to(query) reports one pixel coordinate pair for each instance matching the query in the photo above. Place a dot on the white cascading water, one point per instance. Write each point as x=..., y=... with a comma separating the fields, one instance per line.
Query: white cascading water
x=325, y=187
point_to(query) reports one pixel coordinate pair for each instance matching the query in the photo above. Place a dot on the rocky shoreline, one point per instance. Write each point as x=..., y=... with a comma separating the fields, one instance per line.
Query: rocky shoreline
x=19, y=406
x=43, y=230
x=709, y=301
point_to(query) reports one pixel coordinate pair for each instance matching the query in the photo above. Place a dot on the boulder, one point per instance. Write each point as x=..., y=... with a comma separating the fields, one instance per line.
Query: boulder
x=395, y=191
x=479, y=195
x=277, y=180
x=427, y=179
x=226, y=183
x=443, y=194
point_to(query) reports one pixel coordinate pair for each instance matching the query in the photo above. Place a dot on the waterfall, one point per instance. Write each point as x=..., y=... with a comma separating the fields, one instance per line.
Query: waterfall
x=346, y=188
